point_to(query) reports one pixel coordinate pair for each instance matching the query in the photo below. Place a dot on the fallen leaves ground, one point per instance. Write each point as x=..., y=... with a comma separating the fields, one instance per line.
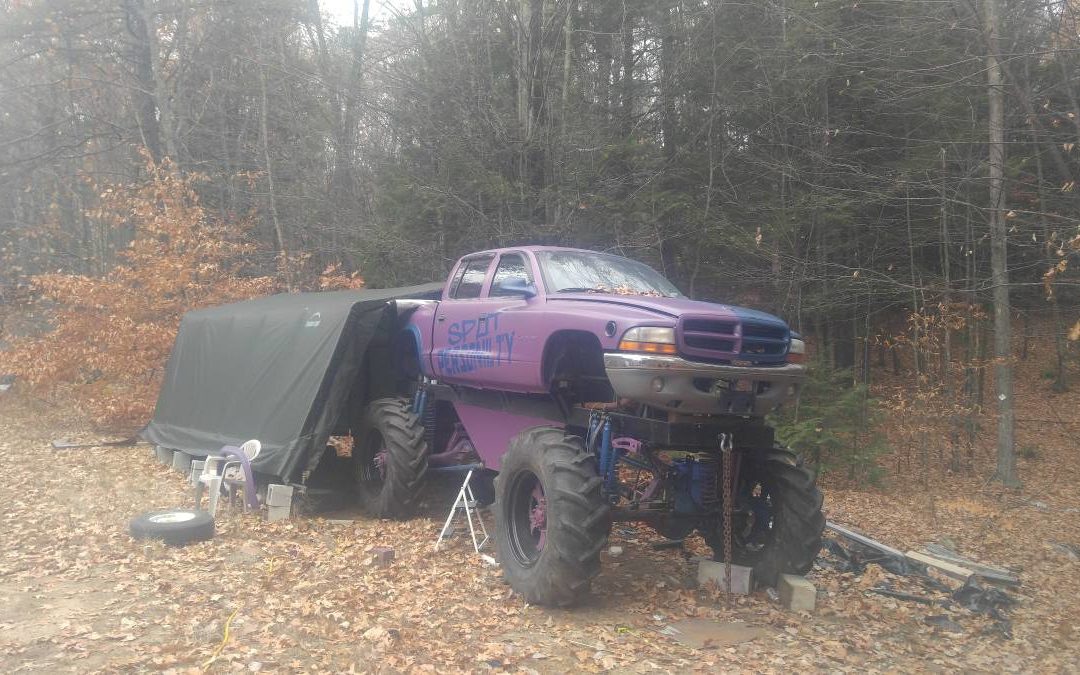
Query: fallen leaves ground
x=78, y=594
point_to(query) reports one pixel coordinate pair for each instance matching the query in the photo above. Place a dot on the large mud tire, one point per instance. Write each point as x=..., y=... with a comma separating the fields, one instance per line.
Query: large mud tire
x=389, y=459
x=550, y=564
x=793, y=540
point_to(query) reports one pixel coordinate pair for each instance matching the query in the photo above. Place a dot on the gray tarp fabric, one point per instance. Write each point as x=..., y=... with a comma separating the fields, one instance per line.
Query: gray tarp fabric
x=286, y=369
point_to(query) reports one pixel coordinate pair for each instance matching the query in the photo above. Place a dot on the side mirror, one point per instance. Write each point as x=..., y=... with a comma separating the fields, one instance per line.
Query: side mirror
x=518, y=286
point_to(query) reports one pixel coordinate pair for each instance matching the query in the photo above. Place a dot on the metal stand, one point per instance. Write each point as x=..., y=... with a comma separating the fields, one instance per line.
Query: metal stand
x=465, y=501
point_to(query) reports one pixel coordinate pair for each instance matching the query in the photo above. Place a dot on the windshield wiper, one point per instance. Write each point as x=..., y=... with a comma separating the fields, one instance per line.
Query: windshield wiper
x=581, y=289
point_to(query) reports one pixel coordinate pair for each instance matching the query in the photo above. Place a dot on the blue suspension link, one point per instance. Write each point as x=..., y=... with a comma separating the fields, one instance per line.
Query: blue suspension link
x=419, y=401
x=609, y=458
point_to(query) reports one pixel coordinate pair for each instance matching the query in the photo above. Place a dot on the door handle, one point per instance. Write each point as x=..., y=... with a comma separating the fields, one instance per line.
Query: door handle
x=441, y=317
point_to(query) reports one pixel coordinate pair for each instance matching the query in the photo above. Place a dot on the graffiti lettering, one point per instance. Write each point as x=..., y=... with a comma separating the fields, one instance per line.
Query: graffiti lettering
x=462, y=331
x=475, y=344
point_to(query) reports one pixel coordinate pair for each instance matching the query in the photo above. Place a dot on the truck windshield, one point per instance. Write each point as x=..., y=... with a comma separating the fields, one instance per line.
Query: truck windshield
x=585, y=272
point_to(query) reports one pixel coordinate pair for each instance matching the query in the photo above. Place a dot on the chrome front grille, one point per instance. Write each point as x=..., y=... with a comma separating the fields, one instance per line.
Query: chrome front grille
x=716, y=339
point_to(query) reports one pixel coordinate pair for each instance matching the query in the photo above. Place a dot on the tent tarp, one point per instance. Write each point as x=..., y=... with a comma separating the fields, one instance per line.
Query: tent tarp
x=284, y=369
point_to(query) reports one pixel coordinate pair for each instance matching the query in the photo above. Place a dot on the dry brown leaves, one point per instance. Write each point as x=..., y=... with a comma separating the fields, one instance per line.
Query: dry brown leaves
x=111, y=334
x=76, y=593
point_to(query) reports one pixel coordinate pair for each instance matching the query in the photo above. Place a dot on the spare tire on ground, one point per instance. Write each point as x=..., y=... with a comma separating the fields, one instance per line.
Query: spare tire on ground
x=175, y=527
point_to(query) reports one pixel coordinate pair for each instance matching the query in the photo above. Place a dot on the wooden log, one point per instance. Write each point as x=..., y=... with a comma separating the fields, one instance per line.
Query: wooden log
x=987, y=572
x=943, y=566
x=903, y=596
x=864, y=540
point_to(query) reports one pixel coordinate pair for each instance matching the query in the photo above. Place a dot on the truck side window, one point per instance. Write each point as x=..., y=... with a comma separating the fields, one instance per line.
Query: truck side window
x=471, y=278
x=511, y=266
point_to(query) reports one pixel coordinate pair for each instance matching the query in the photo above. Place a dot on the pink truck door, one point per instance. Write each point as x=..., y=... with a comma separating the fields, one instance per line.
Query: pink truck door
x=478, y=341
x=456, y=356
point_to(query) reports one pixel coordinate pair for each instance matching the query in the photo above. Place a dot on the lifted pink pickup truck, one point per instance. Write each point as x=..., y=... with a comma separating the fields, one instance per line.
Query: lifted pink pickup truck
x=597, y=392
x=528, y=319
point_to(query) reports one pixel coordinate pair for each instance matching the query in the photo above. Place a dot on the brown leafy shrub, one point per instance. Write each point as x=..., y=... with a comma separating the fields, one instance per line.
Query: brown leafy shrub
x=112, y=334
x=1057, y=270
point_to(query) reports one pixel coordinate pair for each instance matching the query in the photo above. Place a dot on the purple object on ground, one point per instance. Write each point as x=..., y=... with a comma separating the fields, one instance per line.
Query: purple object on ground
x=235, y=452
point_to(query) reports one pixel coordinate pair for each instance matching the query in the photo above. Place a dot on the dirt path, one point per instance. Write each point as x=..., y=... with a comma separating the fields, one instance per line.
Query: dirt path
x=77, y=594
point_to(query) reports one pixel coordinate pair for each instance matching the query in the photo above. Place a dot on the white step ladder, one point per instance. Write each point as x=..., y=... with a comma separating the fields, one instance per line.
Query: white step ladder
x=466, y=502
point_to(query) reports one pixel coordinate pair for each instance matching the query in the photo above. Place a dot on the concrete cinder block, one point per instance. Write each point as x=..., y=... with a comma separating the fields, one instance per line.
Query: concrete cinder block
x=278, y=502
x=279, y=495
x=196, y=470
x=383, y=556
x=181, y=461
x=797, y=593
x=164, y=455
x=275, y=513
x=712, y=571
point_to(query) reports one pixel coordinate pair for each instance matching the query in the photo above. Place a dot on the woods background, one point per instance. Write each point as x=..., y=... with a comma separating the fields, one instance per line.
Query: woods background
x=833, y=162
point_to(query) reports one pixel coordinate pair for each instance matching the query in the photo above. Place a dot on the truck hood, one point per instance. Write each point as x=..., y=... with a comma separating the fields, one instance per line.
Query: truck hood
x=671, y=308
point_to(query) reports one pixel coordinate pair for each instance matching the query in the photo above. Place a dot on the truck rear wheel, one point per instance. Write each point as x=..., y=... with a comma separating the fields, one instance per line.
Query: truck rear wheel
x=551, y=520
x=389, y=459
x=780, y=532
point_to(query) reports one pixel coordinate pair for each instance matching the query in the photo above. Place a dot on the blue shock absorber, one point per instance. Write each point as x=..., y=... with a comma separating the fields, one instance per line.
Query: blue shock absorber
x=419, y=402
x=590, y=439
x=609, y=458
x=597, y=428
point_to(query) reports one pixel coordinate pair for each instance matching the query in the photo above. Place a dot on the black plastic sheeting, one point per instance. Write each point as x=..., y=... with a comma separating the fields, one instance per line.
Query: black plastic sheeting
x=290, y=370
x=972, y=596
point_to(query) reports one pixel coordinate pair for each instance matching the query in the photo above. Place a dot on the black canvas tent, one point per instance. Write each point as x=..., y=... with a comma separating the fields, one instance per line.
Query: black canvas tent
x=288, y=369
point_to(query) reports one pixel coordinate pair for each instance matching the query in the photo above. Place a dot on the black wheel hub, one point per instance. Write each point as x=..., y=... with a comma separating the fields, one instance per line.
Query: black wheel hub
x=527, y=518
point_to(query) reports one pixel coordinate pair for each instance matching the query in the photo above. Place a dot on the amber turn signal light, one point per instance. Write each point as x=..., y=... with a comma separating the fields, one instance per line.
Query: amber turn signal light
x=647, y=347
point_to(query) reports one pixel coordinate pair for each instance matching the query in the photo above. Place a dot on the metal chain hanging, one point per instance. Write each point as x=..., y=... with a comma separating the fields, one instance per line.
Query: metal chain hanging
x=726, y=446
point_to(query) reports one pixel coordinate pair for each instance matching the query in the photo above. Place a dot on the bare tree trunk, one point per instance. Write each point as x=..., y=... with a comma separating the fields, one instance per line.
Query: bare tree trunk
x=561, y=157
x=626, y=84
x=914, y=284
x=946, y=273
x=1061, y=382
x=568, y=53
x=667, y=88
x=146, y=115
x=524, y=71
x=283, y=252
x=604, y=46
x=160, y=89
x=1003, y=374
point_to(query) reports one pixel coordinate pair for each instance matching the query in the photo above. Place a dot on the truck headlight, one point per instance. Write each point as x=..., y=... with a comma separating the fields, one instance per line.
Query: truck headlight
x=797, y=351
x=649, y=339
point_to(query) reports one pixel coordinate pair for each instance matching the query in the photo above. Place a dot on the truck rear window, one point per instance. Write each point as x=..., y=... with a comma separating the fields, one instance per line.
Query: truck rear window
x=469, y=280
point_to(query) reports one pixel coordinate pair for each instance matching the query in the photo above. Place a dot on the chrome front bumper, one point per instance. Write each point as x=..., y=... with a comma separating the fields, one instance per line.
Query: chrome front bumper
x=673, y=383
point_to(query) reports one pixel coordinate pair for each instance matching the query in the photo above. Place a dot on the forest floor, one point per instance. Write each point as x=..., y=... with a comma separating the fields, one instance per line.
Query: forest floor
x=78, y=594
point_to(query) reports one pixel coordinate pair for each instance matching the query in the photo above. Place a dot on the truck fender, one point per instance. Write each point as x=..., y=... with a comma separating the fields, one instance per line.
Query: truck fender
x=581, y=344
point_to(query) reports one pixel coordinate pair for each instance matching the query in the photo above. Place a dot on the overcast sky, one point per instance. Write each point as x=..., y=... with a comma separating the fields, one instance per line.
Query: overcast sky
x=341, y=11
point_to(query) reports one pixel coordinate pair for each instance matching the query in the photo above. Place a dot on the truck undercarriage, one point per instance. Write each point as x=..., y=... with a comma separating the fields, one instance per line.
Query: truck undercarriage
x=574, y=468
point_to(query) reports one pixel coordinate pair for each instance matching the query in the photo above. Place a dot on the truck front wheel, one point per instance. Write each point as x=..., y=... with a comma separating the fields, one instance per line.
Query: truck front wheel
x=779, y=528
x=389, y=459
x=551, y=520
